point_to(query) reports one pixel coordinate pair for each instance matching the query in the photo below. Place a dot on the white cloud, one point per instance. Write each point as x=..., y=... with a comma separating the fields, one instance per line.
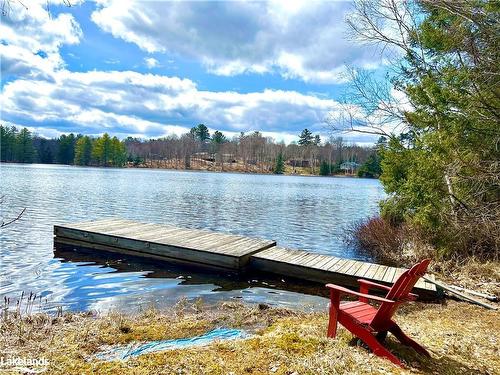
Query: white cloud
x=151, y=62
x=228, y=38
x=297, y=39
x=142, y=104
x=30, y=39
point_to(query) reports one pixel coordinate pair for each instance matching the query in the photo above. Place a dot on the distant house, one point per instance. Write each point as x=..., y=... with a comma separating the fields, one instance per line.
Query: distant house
x=299, y=163
x=228, y=158
x=204, y=156
x=207, y=156
x=349, y=167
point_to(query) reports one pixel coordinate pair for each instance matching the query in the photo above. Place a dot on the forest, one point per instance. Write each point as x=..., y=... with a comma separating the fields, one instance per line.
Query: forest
x=21, y=146
x=196, y=149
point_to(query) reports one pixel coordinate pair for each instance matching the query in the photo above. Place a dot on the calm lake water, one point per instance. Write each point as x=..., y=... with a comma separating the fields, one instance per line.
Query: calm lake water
x=299, y=212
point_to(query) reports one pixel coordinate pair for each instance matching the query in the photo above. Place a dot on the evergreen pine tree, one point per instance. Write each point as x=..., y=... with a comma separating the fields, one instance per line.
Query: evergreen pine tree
x=279, y=167
x=324, y=168
x=8, y=143
x=317, y=140
x=24, y=146
x=66, y=151
x=306, y=138
x=45, y=155
x=83, y=151
x=119, y=152
x=102, y=150
x=218, y=137
x=202, y=133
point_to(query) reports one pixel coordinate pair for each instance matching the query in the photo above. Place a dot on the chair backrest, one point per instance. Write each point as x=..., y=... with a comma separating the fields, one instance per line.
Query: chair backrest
x=399, y=292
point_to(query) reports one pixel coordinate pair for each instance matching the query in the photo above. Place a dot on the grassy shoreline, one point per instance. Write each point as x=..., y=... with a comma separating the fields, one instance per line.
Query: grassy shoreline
x=283, y=341
x=240, y=169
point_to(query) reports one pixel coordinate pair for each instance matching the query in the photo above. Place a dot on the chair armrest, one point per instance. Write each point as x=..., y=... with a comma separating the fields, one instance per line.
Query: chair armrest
x=373, y=285
x=353, y=293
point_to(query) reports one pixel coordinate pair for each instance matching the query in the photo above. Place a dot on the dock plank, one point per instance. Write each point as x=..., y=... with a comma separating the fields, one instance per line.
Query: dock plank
x=92, y=223
x=106, y=226
x=156, y=234
x=320, y=260
x=130, y=230
x=336, y=267
x=325, y=268
x=206, y=240
x=330, y=263
x=348, y=264
x=264, y=262
x=354, y=269
x=293, y=256
x=306, y=259
x=362, y=270
x=228, y=245
x=275, y=253
x=389, y=275
x=379, y=274
x=371, y=271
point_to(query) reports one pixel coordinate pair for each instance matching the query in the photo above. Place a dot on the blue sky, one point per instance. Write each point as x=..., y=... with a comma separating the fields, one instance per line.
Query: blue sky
x=151, y=69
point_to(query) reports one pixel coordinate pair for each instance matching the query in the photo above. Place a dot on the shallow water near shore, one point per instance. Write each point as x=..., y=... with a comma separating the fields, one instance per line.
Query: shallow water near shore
x=309, y=213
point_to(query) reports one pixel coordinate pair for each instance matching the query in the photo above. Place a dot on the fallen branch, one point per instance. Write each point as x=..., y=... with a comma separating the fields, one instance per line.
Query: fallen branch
x=473, y=292
x=5, y=223
x=459, y=294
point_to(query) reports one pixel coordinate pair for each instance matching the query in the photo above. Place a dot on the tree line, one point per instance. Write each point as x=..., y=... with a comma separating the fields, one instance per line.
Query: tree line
x=196, y=149
x=22, y=146
x=250, y=152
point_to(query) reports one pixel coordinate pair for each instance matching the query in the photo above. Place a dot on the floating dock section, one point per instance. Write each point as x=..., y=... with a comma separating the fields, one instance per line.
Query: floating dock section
x=326, y=268
x=180, y=245
x=225, y=251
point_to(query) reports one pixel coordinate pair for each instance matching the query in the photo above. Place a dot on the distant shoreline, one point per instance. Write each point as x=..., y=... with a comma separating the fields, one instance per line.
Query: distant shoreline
x=233, y=171
x=238, y=171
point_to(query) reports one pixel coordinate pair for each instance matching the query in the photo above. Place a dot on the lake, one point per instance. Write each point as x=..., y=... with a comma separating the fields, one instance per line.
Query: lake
x=307, y=213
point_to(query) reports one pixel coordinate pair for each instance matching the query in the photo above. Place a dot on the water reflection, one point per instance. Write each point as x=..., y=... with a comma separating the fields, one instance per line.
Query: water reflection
x=300, y=212
x=175, y=282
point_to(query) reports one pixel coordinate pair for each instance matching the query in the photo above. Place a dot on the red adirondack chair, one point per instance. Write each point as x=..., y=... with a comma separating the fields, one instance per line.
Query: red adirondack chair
x=369, y=323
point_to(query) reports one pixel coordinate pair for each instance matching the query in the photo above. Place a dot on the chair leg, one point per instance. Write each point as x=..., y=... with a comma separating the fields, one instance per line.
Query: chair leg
x=332, y=326
x=376, y=347
x=405, y=340
x=334, y=314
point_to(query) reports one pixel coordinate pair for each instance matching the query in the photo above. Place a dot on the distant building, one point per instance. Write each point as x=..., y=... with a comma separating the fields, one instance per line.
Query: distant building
x=228, y=158
x=207, y=156
x=299, y=163
x=349, y=167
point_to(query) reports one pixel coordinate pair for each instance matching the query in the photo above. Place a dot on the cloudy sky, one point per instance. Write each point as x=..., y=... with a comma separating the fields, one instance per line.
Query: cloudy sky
x=149, y=69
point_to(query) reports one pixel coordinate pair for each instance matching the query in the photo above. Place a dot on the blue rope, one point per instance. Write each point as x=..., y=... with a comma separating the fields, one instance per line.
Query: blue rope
x=132, y=350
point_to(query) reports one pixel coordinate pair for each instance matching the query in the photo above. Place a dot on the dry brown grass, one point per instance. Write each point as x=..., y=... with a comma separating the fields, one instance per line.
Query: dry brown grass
x=460, y=337
x=471, y=273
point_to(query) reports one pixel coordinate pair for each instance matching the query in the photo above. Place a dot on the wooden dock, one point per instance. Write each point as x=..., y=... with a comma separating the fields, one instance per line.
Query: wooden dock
x=225, y=251
x=326, y=268
x=163, y=242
